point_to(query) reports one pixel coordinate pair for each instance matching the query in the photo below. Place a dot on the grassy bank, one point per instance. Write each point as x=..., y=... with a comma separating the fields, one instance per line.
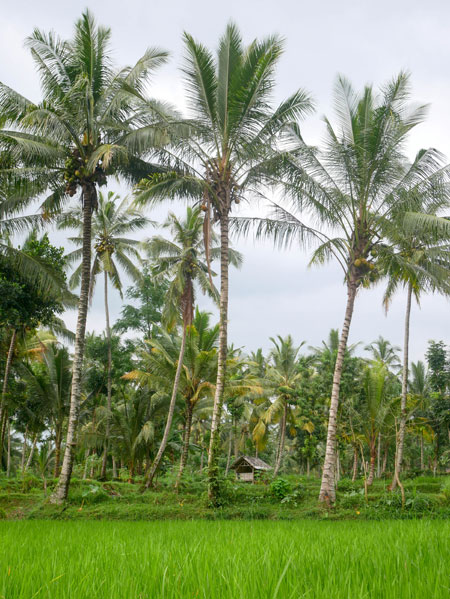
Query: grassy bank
x=289, y=498
x=148, y=560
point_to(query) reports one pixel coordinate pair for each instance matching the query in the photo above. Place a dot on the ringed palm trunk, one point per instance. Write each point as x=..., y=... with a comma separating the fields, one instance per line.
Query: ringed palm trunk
x=327, y=489
x=402, y=427
x=62, y=489
x=9, y=360
x=170, y=414
x=213, y=488
x=281, y=444
x=108, y=384
x=30, y=457
x=186, y=440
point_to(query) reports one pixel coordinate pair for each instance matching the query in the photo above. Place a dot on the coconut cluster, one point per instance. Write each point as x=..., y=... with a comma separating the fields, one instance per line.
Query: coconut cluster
x=75, y=173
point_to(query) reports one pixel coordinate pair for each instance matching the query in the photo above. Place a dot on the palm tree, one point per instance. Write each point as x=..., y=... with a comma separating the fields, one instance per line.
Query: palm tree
x=181, y=262
x=281, y=380
x=81, y=132
x=111, y=223
x=385, y=353
x=375, y=384
x=420, y=263
x=231, y=145
x=353, y=189
x=48, y=379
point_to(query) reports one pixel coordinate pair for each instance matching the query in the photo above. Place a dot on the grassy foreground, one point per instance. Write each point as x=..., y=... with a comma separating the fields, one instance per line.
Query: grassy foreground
x=289, y=560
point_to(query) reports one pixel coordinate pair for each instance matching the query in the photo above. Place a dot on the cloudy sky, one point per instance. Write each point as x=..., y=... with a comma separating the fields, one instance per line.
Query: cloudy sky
x=275, y=292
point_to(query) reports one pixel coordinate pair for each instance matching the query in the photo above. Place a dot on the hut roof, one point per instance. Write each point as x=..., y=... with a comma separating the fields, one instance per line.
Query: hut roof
x=255, y=463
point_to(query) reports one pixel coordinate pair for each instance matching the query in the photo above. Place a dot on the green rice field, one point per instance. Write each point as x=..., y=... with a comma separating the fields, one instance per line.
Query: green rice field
x=200, y=559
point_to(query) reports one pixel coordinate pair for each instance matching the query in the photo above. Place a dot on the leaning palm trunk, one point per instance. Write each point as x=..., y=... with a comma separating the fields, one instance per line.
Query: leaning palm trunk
x=186, y=440
x=402, y=427
x=281, y=444
x=108, y=384
x=8, y=458
x=5, y=385
x=222, y=359
x=327, y=488
x=62, y=489
x=170, y=414
x=30, y=457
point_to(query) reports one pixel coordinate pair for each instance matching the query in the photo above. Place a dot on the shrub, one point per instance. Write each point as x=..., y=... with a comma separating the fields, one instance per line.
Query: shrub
x=280, y=488
x=445, y=489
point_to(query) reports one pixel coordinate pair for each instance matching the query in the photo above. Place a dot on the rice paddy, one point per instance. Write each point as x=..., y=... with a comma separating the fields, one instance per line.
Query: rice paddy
x=200, y=559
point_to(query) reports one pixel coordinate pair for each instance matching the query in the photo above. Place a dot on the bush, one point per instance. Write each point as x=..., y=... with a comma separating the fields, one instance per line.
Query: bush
x=346, y=485
x=280, y=488
x=445, y=489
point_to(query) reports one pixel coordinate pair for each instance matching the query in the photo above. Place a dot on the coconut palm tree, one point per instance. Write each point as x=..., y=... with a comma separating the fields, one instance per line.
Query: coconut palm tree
x=281, y=381
x=231, y=145
x=81, y=132
x=420, y=263
x=181, y=262
x=375, y=385
x=48, y=378
x=344, y=199
x=112, y=250
x=385, y=353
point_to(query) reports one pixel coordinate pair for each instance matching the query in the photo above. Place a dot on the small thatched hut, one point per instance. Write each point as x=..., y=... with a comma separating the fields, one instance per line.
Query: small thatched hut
x=246, y=467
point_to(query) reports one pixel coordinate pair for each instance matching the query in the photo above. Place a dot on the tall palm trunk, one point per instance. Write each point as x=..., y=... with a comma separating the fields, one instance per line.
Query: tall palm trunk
x=62, y=489
x=327, y=488
x=422, y=463
x=24, y=449
x=58, y=439
x=8, y=456
x=30, y=457
x=402, y=427
x=108, y=384
x=170, y=413
x=281, y=444
x=355, y=463
x=372, y=449
x=214, y=443
x=186, y=440
x=9, y=360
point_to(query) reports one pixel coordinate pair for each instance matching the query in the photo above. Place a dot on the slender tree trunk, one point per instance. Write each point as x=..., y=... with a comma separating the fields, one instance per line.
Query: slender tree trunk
x=8, y=456
x=30, y=456
x=108, y=384
x=355, y=463
x=379, y=457
x=281, y=445
x=327, y=489
x=24, y=449
x=402, y=428
x=170, y=414
x=422, y=463
x=213, y=486
x=385, y=459
x=187, y=438
x=114, y=467
x=62, y=488
x=58, y=439
x=372, y=448
x=9, y=360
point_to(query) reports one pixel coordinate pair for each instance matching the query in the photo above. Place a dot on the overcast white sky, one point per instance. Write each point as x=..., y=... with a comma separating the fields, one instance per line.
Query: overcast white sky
x=275, y=292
